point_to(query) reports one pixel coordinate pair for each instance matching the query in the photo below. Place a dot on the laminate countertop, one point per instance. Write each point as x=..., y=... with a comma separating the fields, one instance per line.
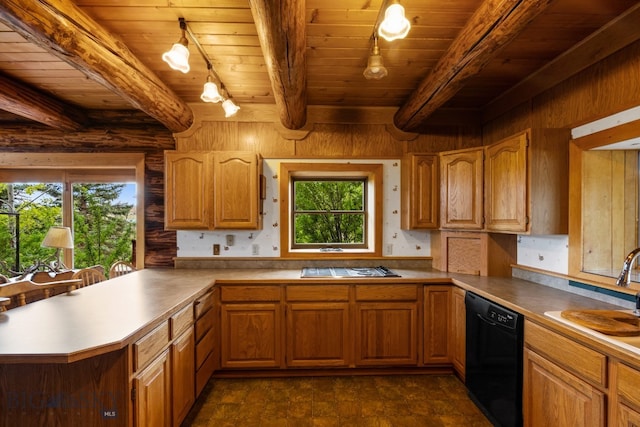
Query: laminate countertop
x=113, y=314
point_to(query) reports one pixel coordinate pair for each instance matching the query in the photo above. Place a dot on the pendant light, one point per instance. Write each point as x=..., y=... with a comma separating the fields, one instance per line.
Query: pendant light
x=375, y=66
x=210, y=91
x=395, y=25
x=230, y=108
x=178, y=56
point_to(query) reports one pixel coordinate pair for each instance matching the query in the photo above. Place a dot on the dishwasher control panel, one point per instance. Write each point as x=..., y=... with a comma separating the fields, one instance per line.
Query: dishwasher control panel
x=502, y=316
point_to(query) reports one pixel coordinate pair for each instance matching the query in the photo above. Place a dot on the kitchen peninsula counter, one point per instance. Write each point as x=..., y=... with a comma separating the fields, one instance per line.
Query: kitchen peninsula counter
x=91, y=357
x=110, y=315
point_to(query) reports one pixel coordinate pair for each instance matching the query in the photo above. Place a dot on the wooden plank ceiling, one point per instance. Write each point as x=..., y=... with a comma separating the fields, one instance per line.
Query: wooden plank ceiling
x=67, y=63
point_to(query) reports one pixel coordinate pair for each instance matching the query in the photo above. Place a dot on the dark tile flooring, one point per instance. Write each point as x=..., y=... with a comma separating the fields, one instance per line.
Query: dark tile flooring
x=402, y=400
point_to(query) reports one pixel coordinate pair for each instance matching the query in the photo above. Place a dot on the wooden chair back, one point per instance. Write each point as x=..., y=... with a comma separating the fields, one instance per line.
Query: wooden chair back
x=21, y=292
x=89, y=276
x=120, y=268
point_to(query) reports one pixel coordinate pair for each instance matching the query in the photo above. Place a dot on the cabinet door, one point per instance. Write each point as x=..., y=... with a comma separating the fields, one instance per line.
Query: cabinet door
x=458, y=347
x=251, y=335
x=437, y=324
x=506, y=189
x=187, y=190
x=386, y=333
x=462, y=189
x=153, y=393
x=554, y=397
x=420, y=192
x=318, y=334
x=183, y=369
x=236, y=190
x=627, y=417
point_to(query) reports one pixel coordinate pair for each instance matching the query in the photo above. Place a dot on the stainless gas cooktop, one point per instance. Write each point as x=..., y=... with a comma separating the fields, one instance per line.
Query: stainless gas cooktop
x=320, y=272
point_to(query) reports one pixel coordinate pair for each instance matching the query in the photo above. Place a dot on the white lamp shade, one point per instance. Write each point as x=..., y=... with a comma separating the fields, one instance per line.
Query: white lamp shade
x=178, y=56
x=395, y=25
x=230, y=108
x=58, y=237
x=211, y=93
x=375, y=68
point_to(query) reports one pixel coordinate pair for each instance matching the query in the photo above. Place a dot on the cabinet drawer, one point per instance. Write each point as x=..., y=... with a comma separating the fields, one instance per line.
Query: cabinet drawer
x=203, y=304
x=318, y=293
x=587, y=363
x=386, y=292
x=250, y=293
x=629, y=384
x=147, y=347
x=204, y=324
x=204, y=348
x=204, y=373
x=181, y=321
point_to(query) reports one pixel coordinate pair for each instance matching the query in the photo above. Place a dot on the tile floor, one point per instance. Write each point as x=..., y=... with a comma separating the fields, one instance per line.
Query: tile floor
x=394, y=401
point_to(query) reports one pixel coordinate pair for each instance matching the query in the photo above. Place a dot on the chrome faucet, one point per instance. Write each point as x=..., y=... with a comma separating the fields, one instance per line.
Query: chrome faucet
x=625, y=275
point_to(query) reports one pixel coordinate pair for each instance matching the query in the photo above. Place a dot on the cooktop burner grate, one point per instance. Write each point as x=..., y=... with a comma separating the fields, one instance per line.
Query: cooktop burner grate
x=347, y=272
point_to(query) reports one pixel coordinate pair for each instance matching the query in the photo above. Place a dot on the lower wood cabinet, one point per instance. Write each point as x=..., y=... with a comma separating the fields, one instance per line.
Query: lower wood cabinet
x=437, y=325
x=183, y=375
x=164, y=372
x=386, y=325
x=564, y=382
x=458, y=331
x=626, y=410
x=318, y=332
x=207, y=329
x=251, y=327
x=153, y=393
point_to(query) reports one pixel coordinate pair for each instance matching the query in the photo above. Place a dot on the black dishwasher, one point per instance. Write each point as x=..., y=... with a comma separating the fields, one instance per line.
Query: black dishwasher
x=493, y=372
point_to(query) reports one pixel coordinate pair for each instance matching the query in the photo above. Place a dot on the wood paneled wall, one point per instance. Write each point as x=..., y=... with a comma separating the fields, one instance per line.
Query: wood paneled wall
x=325, y=140
x=610, y=86
x=152, y=140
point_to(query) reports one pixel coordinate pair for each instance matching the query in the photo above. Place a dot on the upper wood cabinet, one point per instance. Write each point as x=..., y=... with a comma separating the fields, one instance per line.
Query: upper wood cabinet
x=420, y=191
x=212, y=190
x=187, y=189
x=461, y=173
x=236, y=182
x=526, y=183
x=506, y=185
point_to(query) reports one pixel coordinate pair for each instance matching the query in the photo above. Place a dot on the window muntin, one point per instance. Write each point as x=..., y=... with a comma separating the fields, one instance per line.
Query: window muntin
x=329, y=212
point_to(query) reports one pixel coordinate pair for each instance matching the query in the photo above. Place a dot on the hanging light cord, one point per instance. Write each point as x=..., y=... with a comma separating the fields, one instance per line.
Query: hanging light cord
x=212, y=70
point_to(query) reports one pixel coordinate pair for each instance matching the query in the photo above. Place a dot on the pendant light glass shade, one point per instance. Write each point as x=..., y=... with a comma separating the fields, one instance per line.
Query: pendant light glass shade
x=211, y=92
x=230, y=108
x=375, y=66
x=178, y=56
x=395, y=25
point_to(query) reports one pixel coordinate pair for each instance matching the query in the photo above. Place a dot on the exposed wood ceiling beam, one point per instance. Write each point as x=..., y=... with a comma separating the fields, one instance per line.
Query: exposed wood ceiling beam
x=492, y=26
x=22, y=100
x=66, y=31
x=281, y=26
x=614, y=36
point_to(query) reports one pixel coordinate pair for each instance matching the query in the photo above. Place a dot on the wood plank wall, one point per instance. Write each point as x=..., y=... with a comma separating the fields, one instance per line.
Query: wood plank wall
x=610, y=86
x=152, y=140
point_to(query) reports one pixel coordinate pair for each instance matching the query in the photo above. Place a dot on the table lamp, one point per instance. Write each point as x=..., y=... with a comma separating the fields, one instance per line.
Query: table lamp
x=59, y=238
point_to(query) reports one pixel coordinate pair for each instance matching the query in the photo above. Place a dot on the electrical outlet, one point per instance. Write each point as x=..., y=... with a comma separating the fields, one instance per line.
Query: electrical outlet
x=216, y=249
x=255, y=249
x=388, y=249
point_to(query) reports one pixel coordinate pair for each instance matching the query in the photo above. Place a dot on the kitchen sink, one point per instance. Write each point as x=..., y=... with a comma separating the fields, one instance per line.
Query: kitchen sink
x=631, y=343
